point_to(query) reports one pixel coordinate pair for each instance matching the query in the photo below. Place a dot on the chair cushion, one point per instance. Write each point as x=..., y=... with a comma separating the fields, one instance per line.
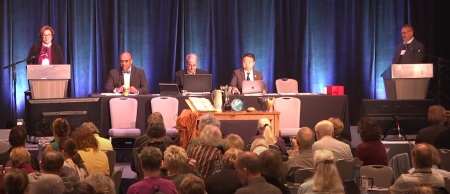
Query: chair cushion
x=133, y=132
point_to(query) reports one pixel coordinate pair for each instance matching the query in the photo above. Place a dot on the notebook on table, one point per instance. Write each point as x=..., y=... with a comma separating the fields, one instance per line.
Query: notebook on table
x=168, y=89
x=253, y=87
x=197, y=83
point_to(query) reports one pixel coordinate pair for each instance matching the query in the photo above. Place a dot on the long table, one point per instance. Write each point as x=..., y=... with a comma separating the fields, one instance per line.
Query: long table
x=314, y=108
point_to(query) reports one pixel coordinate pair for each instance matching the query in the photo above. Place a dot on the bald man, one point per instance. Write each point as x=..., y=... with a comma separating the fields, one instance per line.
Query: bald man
x=304, y=159
x=127, y=73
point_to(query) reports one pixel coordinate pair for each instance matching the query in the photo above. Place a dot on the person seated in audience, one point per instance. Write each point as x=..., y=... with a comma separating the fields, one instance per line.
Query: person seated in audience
x=207, y=155
x=422, y=189
x=272, y=169
x=151, y=161
x=96, y=161
x=326, y=177
x=48, y=179
x=192, y=184
x=436, y=163
x=304, y=159
x=248, y=165
x=371, y=151
x=81, y=188
x=21, y=159
x=176, y=163
x=422, y=161
x=324, y=132
x=437, y=134
x=73, y=170
x=103, y=143
x=226, y=180
x=233, y=141
x=60, y=128
x=15, y=182
x=259, y=145
x=265, y=132
x=102, y=184
x=17, y=138
x=338, y=128
x=206, y=119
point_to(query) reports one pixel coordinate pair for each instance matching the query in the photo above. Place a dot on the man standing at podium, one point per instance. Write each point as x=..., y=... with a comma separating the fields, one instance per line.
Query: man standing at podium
x=410, y=51
x=127, y=75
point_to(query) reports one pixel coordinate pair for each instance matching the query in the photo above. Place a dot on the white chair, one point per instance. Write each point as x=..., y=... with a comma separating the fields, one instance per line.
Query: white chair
x=445, y=159
x=289, y=108
x=286, y=85
x=168, y=107
x=123, y=118
x=382, y=175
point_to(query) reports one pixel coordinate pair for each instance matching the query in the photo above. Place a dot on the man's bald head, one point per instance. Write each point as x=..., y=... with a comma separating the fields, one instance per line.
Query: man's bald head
x=249, y=161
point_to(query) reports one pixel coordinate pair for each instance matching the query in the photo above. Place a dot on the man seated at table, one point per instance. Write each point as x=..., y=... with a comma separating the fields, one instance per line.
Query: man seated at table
x=245, y=73
x=190, y=68
x=127, y=74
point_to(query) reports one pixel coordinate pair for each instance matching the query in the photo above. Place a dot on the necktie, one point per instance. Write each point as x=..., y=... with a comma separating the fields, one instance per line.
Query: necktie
x=248, y=76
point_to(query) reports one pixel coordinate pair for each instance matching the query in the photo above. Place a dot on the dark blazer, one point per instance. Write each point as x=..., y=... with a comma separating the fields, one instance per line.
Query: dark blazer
x=412, y=54
x=137, y=79
x=259, y=185
x=239, y=76
x=179, y=76
x=57, y=55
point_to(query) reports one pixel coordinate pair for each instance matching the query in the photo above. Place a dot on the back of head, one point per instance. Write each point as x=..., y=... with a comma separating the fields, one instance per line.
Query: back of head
x=61, y=127
x=175, y=159
x=338, y=125
x=192, y=184
x=69, y=147
x=305, y=138
x=230, y=156
x=264, y=128
x=208, y=119
x=155, y=118
x=272, y=164
x=81, y=188
x=326, y=176
x=423, y=188
x=101, y=183
x=52, y=162
x=422, y=155
x=19, y=156
x=249, y=161
x=324, y=128
x=91, y=126
x=17, y=136
x=151, y=158
x=16, y=181
x=368, y=129
x=233, y=141
x=259, y=143
x=84, y=138
x=211, y=136
x=156, y=131
x=437, y=115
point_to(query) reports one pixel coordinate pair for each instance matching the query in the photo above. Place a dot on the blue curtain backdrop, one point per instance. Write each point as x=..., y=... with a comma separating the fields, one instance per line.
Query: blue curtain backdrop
x=317, y=42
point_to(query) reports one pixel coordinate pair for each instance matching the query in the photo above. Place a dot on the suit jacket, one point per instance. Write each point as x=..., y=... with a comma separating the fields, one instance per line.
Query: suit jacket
x=411, y=55
x=179, y=76
x=260, y=186
x=137, y=79
x=340, y=149
x=239, y=76
x=57, y=55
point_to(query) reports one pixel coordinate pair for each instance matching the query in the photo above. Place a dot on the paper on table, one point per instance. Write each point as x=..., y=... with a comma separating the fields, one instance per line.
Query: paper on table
x=111, y=94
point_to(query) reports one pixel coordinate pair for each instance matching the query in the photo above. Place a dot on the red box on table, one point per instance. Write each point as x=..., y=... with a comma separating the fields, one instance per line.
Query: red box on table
x=335, y=90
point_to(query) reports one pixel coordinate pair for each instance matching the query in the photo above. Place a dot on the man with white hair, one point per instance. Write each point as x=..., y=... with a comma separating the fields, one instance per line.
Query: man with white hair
x=324, y=132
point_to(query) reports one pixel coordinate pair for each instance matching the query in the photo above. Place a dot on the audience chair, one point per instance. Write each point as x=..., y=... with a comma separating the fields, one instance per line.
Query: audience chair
x=111, y=160
x=116, y=176
x=286, y=85
x=289, y=108
x=445, y=159
x=123, y=118
x=348, y=168
x=382, y=175
x=301, y=175
x=168, y=107
x=137, y=164
x=400, y=164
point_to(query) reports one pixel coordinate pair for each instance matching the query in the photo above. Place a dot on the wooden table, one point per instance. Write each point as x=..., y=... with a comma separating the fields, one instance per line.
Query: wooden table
x=273, y=116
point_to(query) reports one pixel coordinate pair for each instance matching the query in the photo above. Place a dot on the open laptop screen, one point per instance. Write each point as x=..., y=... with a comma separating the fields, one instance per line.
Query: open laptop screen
x=168, y=89
x=252, y=87
x=197, y=82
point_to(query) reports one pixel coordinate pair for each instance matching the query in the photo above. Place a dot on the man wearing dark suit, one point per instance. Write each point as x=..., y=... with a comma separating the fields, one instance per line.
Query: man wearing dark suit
x=190, y=68
x=410, y=50
x=245, y=73
x=137, y=80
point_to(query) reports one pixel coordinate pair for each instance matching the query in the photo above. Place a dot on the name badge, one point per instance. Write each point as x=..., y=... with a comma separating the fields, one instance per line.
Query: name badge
x=402, y=52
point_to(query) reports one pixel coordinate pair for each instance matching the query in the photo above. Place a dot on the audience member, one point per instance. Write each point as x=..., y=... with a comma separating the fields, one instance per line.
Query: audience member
x=324, y=132
x=272, y=168
x=233, y=141
x=73, y=170
x=48, y=180
x=338, y=126
x=326, y=176
x=206, y=119
x=127, y=73
x=21, y=159
x=245, y=73
x=265, y=132
x=422, y=160
x=176, y=164
x=60, y=128
x=102, y=184
x=436, y=163
x=95, y=160
x=248, y=166
x=304, y=158
x=206, y=154
x=226, y=180
x=151, y=159
x=259, y=145
x=17, y=138
x=371, y=151
x=16, y=182
x=191, y=63
x=422, y=189
x=192, y=184
x=103, y=143
x=81, y=188
x=437, y=134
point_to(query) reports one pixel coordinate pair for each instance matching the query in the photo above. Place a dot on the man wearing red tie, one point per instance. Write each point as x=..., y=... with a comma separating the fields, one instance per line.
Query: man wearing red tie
x=245, y=73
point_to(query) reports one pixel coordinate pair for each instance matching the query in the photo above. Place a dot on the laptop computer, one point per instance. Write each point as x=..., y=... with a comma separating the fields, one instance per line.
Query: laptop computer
x=252, y=87
x=168, y=89
x=197, y=83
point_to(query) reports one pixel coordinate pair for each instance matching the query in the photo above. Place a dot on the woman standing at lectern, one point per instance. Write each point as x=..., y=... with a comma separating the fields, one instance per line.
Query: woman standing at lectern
x=45, y=52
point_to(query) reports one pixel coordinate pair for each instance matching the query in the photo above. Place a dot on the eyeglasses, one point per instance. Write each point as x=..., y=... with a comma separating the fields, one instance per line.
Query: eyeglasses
x=47, y=35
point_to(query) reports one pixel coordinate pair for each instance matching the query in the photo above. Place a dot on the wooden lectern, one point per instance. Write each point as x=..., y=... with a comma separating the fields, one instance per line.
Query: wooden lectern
x=407, y=81
x=48, y=81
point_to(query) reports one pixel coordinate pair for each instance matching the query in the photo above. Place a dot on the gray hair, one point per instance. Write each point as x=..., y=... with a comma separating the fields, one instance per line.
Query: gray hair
x=324, y=127
x=190, y=55
x=208, y=119
x=101, y=183
x=211, y=136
